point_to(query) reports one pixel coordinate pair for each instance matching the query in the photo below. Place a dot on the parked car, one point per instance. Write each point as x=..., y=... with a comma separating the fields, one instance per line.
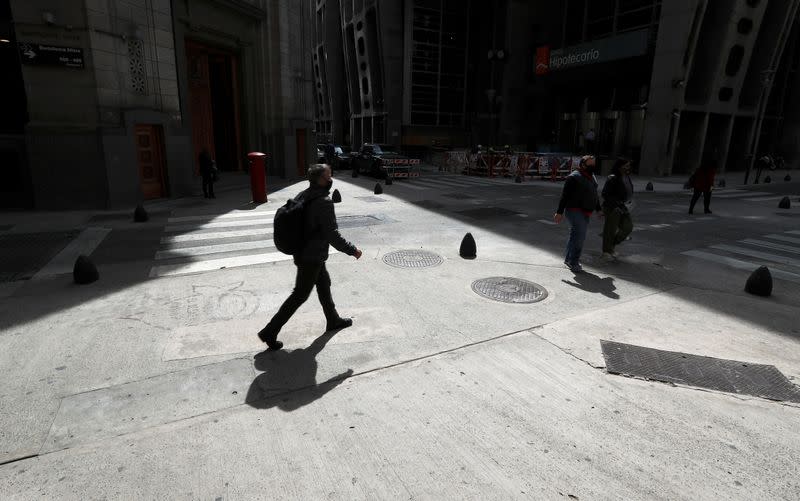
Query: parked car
x=379, y=160
x=342, y=157
x=320, y=155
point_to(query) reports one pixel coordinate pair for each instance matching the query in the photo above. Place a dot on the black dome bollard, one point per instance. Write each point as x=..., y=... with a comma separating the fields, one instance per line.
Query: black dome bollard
x=84, y=271
x=649, y=186
x=389, y=180
x=355, y=172
x=760, y=282
x=787, y=177
x=378, y=189
x=784, y=203
x=468, y=249
x=140, y=214
x=767, y=179
x=518, y=179
x=336, y=196
x=721, y=183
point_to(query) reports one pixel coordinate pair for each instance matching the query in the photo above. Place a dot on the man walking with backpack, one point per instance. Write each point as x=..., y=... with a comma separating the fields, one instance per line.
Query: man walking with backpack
x=319, y=231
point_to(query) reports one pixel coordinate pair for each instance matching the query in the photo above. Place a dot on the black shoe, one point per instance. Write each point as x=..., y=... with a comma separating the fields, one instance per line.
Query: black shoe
x=270, y=339
x=339, y=324
x=708, y=212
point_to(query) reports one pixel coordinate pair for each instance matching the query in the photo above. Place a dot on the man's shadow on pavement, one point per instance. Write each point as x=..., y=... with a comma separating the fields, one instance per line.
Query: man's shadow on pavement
x=592, y=283
x=289, y=380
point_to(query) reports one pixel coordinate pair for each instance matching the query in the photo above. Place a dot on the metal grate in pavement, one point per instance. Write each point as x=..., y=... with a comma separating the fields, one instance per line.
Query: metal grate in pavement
x=509, y=290
x=730, y=376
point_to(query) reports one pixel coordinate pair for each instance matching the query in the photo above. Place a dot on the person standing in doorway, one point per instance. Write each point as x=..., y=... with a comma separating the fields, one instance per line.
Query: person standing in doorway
x=320, y=230
x=578, y=200
x=207, y=168
x=617, y=194
x=703, y=182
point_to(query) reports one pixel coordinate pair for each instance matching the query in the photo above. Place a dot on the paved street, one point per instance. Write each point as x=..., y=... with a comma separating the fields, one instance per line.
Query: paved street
x=151, y=383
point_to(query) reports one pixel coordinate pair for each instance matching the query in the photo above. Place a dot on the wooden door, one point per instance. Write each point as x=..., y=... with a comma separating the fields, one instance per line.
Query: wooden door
x=200, y=102
x=150, y=154
x=301, y=152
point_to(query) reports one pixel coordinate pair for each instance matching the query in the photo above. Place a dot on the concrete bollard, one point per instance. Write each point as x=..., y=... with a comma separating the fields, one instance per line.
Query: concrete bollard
x=760, y=282
x=767, y=179
x=468, y=248
x=336, y=196
x=140, y=214
x=784, y=203
x=649, y=187
x=84, y=271
x=378, y=189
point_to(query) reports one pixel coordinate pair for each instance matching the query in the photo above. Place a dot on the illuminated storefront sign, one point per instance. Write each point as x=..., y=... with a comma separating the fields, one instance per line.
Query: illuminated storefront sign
x=598, y=51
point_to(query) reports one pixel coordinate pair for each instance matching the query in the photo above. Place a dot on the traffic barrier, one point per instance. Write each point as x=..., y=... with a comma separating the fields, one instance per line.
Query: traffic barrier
x=468, y=249
x=140, y=214
x=760, y=282
x=84, y=271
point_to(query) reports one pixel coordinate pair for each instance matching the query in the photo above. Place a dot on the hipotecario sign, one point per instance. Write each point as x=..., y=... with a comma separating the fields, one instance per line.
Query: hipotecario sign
x=598, y=51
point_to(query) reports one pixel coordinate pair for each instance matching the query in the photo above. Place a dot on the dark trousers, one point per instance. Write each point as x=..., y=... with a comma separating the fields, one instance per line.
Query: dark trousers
x=616, y=228
x=696, y=197
x=208, y=186
x=308, y=276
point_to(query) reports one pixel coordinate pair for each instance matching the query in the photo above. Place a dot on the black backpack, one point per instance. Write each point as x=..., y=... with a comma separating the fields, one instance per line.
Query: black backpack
x=287, y=227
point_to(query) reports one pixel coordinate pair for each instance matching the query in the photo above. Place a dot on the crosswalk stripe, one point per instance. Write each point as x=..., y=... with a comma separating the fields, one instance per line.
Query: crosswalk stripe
x=221, y=217
x=783, y=238
x=545, y=221
x=742, y=265
x=214, y=249
x=758, y=254
x=219, y=224
x=770, y=245
x=741, y=194
x=794, y=232
x=219, y=263
x=763, y=199
x=191, y=237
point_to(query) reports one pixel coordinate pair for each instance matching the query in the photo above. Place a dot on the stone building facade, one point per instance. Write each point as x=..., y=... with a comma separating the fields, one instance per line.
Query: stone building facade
x=122, y=95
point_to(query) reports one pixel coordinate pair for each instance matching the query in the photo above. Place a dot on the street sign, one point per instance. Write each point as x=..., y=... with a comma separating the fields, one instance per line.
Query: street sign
x=50, y=55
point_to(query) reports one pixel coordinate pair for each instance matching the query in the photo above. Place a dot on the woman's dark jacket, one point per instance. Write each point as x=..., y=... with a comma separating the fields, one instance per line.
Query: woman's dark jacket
x=320, y=228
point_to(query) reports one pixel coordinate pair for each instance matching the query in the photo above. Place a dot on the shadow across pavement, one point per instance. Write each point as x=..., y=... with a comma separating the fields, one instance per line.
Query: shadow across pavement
x=289, y=378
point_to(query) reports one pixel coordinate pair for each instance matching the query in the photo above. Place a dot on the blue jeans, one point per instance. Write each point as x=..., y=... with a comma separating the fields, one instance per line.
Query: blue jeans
x=579, y=224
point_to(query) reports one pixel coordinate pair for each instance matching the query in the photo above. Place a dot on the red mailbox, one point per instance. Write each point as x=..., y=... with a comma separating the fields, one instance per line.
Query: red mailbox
x=258, y=178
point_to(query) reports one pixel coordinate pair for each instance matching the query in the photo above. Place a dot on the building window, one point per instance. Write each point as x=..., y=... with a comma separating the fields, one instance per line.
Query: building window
x=137, y=67
x=734, y=60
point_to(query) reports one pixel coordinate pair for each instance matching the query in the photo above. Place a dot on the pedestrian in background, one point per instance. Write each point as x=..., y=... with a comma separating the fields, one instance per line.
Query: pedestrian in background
x=578, y=200
x=617, y=195
x=319, y=231
x=207, y=169
x=703, y=182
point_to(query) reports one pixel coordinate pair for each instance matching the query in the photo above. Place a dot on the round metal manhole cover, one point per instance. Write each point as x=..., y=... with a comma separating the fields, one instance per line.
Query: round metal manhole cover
x=509, y=290
x=412, y=259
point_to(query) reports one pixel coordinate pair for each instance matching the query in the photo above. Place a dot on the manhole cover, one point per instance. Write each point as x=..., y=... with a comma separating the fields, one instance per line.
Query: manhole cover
x=730, y=376
x=509, y=290
x=412, y=259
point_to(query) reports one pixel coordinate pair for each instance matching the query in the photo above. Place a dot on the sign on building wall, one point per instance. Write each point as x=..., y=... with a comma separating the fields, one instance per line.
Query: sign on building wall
x=50, y=55
x=598, y=51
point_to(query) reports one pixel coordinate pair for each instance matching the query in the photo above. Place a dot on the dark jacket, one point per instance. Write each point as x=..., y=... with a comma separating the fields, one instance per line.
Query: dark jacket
x=320, y=228
x=206, y=164
x=616, y=192
x=703, y=178
x=580, y=192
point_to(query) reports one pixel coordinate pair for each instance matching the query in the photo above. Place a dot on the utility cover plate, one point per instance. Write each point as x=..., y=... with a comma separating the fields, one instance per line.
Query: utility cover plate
x=412, y=259
x=509, y=290
x=718, y=374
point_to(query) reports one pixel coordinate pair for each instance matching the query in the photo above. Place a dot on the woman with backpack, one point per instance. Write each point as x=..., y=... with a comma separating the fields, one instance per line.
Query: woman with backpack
x=617, y=194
